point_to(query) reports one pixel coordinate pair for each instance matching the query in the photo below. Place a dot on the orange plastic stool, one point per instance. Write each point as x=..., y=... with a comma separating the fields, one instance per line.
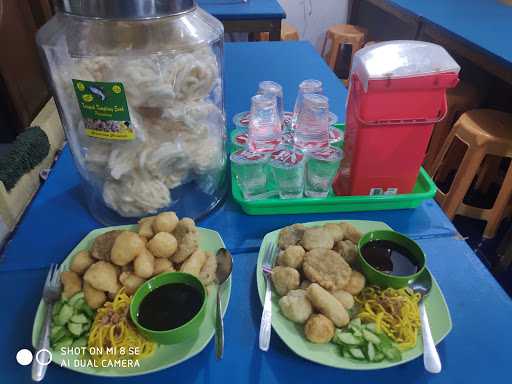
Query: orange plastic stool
x=288, y=32
x=485, y=132
x=341, y=34
x=460, y=99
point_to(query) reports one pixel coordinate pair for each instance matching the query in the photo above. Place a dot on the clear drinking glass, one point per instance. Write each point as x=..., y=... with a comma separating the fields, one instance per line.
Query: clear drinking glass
x=287, y=164
x=251, y=170
x=273, y=89
x=307, y=86
x=264, y=125
x=312, y=130
x=321, y=167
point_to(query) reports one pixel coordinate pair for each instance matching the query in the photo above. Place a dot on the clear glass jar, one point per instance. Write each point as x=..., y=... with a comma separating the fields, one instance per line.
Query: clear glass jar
x=139, y=90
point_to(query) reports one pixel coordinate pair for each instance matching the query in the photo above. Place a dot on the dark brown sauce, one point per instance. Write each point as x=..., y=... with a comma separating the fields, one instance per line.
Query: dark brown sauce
x=390, y=258
x=169, y=306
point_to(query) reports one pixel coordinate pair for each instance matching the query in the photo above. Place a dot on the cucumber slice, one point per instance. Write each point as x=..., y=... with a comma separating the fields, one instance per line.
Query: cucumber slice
x=56, y=308
x=379, y=356
x=75, y=329
x=80, y=319
x=372, y=327
x=58, y=335
x=55, y=330
x=370, y=352
x=357, y=353
x=355, y=323
x=75, y=298
x=392, y=354
x=87, y=311
x=64, y=315
x=81, y=342
x=371, y=337
x=65, y=342
x=348, y=339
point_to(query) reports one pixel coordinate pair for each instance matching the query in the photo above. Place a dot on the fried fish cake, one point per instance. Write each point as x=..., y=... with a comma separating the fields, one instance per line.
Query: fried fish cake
x=285, y=279
x=335, y=230
x=293, y=256
x=290, y=235
x=295, y=306
x=317, y=237
x=327, y=268
x=347, y=250
x=350, y=232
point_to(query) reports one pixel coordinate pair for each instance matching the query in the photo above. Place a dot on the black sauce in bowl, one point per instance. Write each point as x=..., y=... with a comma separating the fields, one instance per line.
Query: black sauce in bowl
x=169, y=306
x=389, y=257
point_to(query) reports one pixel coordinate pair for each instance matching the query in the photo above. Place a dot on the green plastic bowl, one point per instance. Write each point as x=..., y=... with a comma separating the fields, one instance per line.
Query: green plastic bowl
x=188, y=330
x=374, y=276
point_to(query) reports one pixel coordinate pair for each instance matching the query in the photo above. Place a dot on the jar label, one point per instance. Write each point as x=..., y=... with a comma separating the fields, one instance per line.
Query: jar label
x=104, y=109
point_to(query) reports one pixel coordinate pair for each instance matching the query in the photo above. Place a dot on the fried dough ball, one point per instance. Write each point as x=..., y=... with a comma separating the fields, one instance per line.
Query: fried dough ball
x=295, y=306
x=81, y=261
x=163, y=244
x=291, y=257
x=347, y=250
x=194, y=263
x=350, y=232
x=356, y=283
x=304, y=284
x=165, y=222
x=103, y=276
x=345, y=298
x=184, y=226
x=209, y=270
x=127, y=246
x=317, y=237
x=187, y=246
x=72, y=283
x=131, y=282
x=102, y=245
x=319, y=329
x=327, y=268
x=285, y=279
x=290, y=235
x=334, y=230
x=162, y=265
x=94, y=297
x=146, y=227
x=144, y=264
x=328, y=305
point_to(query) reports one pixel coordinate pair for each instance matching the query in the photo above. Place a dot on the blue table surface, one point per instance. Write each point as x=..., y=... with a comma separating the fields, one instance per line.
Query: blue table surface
x=57, y=219
x=485, y=23
x=237, y=10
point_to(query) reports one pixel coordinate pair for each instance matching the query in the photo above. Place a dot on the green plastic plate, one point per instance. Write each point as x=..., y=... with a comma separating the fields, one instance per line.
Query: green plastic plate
x=165, y=356
x=424, y=189
x=328, y=354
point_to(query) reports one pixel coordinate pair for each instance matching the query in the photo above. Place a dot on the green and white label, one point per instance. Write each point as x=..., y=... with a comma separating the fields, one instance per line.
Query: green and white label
x=105, y=110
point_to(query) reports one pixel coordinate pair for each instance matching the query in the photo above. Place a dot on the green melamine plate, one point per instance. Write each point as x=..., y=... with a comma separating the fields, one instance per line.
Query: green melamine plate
x=328, y=354
x=165, y=356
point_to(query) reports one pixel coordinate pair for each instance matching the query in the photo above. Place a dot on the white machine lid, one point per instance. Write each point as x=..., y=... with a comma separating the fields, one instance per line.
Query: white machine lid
x=401, y=58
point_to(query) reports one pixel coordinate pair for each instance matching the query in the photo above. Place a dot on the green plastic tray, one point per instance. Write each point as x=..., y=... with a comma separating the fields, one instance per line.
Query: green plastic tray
x=423, y=190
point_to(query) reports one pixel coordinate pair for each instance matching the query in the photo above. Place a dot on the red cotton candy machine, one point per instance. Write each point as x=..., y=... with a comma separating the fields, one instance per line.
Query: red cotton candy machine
x=396, y=95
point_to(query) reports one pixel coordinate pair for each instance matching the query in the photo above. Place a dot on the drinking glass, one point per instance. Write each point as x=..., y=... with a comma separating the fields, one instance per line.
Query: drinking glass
x=321, y=167
x=273, y=89
x=307, y=86
x=264, y=132
x=312, y=129
x=251, y=169
x=287, y=164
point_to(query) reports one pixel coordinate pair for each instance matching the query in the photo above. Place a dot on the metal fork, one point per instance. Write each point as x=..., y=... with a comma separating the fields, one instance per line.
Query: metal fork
x=266, y=316
x=51, y=293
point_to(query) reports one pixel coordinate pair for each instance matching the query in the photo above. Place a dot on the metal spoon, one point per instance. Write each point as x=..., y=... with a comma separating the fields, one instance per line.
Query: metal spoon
x=224, y=268
x=422, y=285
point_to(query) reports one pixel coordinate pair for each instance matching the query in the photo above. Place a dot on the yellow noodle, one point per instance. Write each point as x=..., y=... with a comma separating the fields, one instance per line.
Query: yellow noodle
x=394, y=312
x=118, y=336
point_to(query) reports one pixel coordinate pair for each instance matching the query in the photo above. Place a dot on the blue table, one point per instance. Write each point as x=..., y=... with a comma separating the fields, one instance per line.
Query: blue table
x=477, y=30
x=252, y=16
x=57, y=219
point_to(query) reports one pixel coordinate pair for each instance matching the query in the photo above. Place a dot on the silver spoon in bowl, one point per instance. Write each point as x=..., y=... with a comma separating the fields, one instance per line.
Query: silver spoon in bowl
x=431, y=360
x=224, y=268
